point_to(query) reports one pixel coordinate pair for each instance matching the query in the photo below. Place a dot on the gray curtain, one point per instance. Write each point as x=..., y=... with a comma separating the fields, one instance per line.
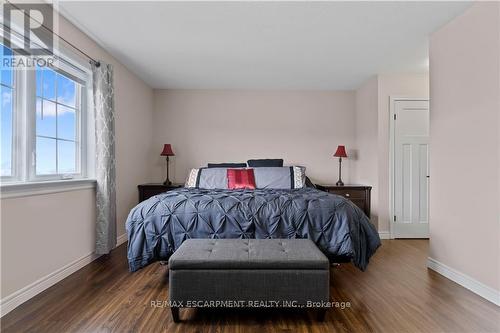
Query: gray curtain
x=104, y=113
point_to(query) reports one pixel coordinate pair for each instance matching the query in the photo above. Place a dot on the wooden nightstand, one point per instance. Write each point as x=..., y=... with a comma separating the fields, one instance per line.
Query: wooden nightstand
x=358, y=194
x=146, y=191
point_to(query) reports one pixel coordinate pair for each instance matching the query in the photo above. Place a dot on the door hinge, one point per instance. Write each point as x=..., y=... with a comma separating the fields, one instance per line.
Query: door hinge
x=394, y=116
x=394, y=218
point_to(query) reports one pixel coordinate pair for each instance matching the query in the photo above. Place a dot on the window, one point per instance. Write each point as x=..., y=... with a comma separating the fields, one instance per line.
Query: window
x=7, y=93
x=57, y=114
x=43, y=120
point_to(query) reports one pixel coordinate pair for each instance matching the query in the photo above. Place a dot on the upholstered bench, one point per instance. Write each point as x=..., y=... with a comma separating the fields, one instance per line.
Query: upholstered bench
x=248, y=273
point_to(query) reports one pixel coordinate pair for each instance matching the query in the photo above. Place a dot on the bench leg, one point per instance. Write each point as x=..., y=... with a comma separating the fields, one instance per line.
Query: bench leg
x=321, y=314
x=175, y=314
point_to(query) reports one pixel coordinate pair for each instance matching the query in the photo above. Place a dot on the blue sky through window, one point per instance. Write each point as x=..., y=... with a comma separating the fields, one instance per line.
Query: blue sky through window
x=6, y=71
x=55, y=123
x=45, y=156
x=7, y=108
x=66, y=91
x=6, y=127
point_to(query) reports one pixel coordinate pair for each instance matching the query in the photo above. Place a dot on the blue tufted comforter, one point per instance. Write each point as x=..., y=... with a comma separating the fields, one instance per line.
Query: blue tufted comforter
x=158, y=226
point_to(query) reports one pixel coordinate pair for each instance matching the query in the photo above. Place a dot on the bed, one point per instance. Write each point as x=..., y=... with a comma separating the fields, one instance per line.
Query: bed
x=158, y=226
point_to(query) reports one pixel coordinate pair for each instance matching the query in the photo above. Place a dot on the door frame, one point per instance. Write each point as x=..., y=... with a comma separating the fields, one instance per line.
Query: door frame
x=392, y=108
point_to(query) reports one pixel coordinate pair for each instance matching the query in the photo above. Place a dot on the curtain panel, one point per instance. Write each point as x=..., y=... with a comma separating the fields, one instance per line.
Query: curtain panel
x=104, y=112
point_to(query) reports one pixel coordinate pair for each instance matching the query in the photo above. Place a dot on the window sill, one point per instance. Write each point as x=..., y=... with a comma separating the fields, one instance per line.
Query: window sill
x=15, y=190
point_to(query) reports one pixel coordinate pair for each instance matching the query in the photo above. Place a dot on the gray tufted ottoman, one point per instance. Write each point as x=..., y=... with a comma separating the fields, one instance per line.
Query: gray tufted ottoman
x=248, y=273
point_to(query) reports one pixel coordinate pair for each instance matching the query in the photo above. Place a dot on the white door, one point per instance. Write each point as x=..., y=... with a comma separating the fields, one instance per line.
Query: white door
x=410, y=120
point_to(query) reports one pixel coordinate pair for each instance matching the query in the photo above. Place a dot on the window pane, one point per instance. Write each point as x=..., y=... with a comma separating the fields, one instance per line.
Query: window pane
x=66, y=123
x=7, y=75
x=45, y=118
x=66, y=91
x=66, y=157
x=6, y=127
x=45, y=156
x=49, y=84
x=39, y=83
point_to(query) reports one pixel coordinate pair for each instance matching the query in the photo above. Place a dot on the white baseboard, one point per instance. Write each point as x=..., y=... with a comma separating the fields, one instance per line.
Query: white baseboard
x=465, y=281
x=384, y=234
x=17, y=298
x=121, y=239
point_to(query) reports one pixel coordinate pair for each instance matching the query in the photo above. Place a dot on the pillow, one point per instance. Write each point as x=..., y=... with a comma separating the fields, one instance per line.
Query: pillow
x=265, y=177
x=240, y=179
x=192, y=178
x=226, y=165
x=278, y=162
x=207, y=178
x=280, y=178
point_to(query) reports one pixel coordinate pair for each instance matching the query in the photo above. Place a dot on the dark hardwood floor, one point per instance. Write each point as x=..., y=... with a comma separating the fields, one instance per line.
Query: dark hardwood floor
x=396, y=294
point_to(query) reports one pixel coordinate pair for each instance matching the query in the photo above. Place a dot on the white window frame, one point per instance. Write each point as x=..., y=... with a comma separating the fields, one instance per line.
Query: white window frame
x=80, y=117
x=23, y=170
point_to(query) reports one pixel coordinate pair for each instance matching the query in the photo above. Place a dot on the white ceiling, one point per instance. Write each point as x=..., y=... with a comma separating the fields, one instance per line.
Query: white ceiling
x=263, y=45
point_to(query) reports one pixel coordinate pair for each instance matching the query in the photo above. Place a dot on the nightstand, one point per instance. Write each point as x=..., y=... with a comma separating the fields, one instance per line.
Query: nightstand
x=146, y=191
x=358, y=194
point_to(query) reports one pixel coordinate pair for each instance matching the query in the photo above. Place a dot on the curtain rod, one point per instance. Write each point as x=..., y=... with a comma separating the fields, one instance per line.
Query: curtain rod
x=91, y=60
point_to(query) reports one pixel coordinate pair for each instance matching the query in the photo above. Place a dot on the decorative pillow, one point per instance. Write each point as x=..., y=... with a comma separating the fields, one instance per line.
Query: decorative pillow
x=300, y=178
x=192, y=178
x=280, y=178
x=269, y=162
x=240, y=179
x=226, y=165
x=207, y=178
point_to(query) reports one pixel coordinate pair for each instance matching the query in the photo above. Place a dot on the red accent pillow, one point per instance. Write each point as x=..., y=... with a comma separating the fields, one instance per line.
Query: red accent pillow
x=240, y=178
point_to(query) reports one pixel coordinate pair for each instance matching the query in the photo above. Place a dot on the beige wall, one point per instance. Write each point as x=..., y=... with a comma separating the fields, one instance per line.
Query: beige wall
x=133, y=125
x=204, y=126
x=465, y=144
x=43, y=233
x=372, y=134
x=366, y=132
